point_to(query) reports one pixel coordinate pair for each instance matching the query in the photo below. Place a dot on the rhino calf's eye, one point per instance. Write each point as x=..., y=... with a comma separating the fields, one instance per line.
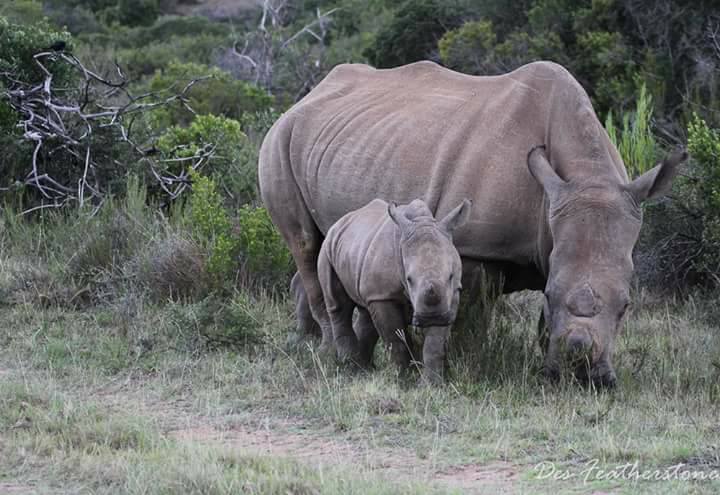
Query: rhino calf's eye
x=409, y=280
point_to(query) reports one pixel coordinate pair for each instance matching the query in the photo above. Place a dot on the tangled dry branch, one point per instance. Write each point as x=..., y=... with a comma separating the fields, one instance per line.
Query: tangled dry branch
x=262, y=49
x=61, y=120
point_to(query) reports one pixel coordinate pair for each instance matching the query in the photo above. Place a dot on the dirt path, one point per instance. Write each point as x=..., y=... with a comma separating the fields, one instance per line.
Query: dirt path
x=295, y=439
x=312, y=446
x=318, y=449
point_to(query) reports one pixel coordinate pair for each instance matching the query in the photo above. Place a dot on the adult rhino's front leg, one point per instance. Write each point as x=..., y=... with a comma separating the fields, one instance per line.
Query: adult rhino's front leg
x=390, y=322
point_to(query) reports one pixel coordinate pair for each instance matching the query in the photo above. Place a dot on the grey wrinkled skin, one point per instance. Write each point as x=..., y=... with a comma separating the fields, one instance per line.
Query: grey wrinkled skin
x=563, y=219
x=396, y=264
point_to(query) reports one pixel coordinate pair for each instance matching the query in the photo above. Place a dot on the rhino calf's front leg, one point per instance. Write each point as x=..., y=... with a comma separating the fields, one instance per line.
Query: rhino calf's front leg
x=389, y=320
x=434, y=352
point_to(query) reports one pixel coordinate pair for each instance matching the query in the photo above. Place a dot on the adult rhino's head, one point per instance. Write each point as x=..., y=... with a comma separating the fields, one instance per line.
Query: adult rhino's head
x=431, y=264
x=594, y=223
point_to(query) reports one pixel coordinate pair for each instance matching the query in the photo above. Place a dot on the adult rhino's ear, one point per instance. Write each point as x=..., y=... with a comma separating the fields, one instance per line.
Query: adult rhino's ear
x=397, y=216
x=457, y=217
x=543, y=172
x=657, y=181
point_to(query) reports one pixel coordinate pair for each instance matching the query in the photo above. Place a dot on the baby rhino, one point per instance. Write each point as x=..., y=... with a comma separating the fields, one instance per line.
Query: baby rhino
x=392, y=263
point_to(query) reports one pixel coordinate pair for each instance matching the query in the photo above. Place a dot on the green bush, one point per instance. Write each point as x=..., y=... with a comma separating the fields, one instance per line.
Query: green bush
x=218, y=94
x=680, y=241
x=262, y=246
x=413, y=32
x=144, y=61
x=704, y=145
x=212, y=226
x=230, y=163
x=22, y=11
x=255, y=240
x=171, y=26
x=20, y=42
x=131, y=13
x=469, y=47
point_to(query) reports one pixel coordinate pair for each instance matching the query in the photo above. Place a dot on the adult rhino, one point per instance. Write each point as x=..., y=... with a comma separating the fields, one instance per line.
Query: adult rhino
x=562, y=216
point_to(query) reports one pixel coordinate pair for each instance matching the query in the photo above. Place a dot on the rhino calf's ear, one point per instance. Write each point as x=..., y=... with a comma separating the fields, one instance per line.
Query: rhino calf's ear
x=457, y=217
x=657, y=181
x=398, y=217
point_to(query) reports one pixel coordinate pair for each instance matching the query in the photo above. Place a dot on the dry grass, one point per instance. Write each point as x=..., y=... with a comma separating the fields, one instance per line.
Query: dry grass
x=92, y=395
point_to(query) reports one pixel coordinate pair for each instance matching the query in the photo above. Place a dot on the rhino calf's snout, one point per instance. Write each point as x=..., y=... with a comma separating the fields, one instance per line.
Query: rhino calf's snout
x=431, y=296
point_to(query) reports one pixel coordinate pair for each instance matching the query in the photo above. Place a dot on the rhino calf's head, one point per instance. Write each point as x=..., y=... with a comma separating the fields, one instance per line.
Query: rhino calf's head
x=594, y=223
x=431, y=264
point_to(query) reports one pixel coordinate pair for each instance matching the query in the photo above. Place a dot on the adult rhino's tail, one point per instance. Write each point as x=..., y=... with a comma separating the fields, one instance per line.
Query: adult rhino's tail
x=283, y=199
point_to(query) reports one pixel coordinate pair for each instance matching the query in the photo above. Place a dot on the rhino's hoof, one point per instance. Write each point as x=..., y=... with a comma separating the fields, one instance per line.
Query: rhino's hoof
x=297, y=339
x=608, y=381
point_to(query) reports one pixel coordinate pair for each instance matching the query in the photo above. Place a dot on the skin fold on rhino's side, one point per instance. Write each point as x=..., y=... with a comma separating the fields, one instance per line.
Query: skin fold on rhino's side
x=563, y=218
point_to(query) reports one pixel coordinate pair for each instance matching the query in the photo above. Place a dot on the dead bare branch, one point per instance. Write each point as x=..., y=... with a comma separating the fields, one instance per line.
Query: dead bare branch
x=68, y=125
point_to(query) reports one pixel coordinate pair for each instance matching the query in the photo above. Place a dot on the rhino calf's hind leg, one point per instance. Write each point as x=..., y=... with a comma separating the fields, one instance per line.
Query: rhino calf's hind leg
x=339, y=308
x=389, y=318
x=367, y=336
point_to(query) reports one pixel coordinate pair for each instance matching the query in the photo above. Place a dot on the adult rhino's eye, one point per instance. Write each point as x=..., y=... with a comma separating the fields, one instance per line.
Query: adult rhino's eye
x=451, y=277
x=409, y=280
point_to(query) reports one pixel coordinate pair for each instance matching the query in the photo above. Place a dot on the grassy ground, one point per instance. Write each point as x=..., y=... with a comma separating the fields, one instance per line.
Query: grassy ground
x=95, y=401
x=121, y=372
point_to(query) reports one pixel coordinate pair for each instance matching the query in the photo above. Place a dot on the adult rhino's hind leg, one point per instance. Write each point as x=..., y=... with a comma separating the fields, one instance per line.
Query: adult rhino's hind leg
x=305, y=251
x=290, y=214
x=306, y=324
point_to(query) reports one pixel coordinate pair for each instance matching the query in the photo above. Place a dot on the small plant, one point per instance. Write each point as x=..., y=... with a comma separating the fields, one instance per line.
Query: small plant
x=635, y=140
x=212, y=226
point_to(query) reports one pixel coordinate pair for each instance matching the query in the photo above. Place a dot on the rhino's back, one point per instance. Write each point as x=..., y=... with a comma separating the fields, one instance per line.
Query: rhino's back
x=422, y=131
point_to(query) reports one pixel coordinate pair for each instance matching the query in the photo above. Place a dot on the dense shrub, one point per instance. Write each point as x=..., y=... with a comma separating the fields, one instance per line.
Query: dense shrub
x=680, y=241
x=143, y=61
x=263, y=249
x=413, y=32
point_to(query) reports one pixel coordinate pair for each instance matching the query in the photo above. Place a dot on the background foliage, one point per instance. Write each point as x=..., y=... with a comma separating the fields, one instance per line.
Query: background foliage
x=651, y=69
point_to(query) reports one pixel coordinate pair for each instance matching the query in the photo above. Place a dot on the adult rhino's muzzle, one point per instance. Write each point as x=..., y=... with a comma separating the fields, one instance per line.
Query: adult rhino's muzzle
x=578, y=347
x=432, y=319
x=576, y=352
